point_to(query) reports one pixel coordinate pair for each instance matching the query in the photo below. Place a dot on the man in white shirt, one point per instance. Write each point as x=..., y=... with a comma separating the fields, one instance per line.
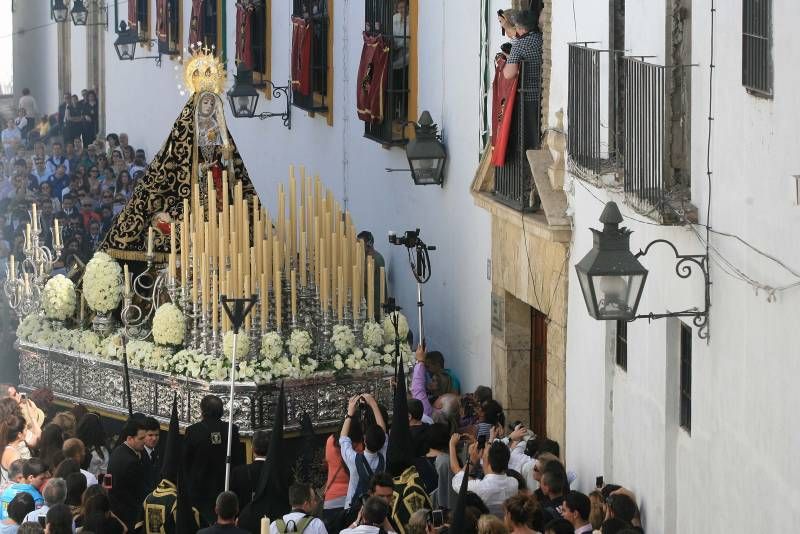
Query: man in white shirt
x=27, y=102
x=374, y=514
x=495, y=487
x=74, y=448
x=375, y=444
x=576, y=509
x=303, y=500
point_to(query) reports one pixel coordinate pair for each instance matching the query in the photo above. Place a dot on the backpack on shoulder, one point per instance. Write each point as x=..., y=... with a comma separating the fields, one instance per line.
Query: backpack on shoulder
x=299, y=527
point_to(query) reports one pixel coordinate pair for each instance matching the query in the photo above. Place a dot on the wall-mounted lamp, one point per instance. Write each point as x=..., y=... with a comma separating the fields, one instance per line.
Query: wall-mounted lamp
x=125, y=44
x=58, y=10
x=426, y=153
x=243, y=98
x=612, y=279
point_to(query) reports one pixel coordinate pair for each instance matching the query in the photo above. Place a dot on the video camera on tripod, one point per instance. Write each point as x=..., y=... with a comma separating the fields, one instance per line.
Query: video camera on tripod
x=420, y=266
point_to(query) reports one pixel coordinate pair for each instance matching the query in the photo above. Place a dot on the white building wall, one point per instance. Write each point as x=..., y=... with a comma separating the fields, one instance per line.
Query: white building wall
x=738, y=465
x=143, y=101
x=35, y=54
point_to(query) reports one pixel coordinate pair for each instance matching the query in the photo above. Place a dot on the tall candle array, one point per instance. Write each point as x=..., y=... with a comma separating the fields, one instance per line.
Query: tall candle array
x=306, y=266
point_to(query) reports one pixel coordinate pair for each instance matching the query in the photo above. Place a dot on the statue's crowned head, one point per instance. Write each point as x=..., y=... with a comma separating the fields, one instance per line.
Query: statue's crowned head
x=204, y=72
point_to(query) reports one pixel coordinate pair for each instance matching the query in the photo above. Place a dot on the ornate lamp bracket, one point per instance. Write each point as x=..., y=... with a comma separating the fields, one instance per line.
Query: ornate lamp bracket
x=277, y=90
x=684, y=267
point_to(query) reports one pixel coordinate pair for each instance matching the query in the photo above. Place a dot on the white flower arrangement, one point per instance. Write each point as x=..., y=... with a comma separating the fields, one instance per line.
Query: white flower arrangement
x=242, y=345
x=373, y=334
x=168, y=325
x=343, y=339
x=112, y=347
x=272, y=346
x=300, y=343
x=30, y=326
x=388, y=327
x=58, y=298
x=102, y=283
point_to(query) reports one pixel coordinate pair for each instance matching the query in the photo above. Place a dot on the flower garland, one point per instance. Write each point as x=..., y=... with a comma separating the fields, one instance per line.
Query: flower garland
x=168, y=325
x=58, y=298
x=102, y=283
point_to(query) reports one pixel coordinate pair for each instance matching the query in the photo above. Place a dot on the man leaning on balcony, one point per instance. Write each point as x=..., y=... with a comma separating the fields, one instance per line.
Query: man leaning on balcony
x=527, y=50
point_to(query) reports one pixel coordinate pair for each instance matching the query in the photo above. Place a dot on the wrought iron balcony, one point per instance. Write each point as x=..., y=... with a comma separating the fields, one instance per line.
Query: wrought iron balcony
x=513, y=182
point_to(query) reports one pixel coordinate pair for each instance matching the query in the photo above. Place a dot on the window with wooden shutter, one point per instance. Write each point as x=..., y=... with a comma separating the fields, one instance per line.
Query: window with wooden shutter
x=311, y=55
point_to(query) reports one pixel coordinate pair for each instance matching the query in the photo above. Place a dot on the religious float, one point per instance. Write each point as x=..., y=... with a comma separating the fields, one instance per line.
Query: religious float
x=144, y=320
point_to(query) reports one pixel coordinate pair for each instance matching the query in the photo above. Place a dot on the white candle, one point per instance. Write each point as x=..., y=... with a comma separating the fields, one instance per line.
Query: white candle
x=150, y=241
x=12, y=267
x=127, y=276
x=57, y=233
x=34, y=217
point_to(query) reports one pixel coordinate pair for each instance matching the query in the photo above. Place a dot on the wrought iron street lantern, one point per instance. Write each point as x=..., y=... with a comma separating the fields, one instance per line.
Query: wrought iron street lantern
x=243, y=98
x=612, y=279
x=426, y=153
x=58, y=10
x=79, y=13
x=125, y=44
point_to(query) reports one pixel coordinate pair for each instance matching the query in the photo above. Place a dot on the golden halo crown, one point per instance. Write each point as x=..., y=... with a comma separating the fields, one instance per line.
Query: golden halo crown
x=204, y=71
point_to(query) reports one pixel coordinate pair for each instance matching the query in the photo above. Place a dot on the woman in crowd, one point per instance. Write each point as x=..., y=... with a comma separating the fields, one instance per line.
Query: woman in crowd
x=419, y=523
x=98, y=518
x=338, y=475
x=12, y=433
x=124, y=187
x=67, y=423
x=129, y=155
x=521, y=512
x=76, y=485
x=90, y=118
x=50, y=444
x=489, y=524
x=91, y=433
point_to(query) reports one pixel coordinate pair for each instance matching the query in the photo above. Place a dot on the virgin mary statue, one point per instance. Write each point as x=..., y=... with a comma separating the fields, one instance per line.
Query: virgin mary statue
x=198, y=146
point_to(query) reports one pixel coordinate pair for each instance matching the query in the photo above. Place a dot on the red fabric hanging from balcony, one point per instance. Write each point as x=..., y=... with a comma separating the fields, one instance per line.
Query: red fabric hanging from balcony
x=504, y=93
x=162, y=21
x=244, y=34
x=133, y=19
x=301, y=55
x=196, y=22
x=372, y=75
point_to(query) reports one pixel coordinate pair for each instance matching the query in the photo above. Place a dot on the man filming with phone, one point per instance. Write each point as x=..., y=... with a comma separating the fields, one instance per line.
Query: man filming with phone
x=362, y=465
x=495, y=487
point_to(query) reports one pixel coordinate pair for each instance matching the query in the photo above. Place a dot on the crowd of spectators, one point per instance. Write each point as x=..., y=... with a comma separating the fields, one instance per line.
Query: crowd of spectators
x=69, y=172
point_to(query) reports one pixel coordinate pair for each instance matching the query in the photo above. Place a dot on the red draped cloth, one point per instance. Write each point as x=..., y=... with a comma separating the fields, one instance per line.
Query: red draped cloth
x=162, y=21
x=196, y=22
x=301, y=55
x=372, y=75
x=244, y=34
x=133, y=18
x=504, y=93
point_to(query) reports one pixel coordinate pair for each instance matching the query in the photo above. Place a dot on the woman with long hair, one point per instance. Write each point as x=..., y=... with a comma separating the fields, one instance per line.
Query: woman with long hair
x=124, y=187
x=489, y=524
x=50, y=444
x=12, y=434
x=98, y=517
x=91, y=433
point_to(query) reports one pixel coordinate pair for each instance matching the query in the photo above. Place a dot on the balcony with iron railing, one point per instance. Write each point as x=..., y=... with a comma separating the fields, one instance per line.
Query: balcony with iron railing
x=644, y=155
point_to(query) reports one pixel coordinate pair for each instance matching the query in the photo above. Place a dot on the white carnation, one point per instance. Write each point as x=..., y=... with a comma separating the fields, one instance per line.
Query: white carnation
x=242, y=345
x=343, y=338
x=373, y=334
x=388, y=327
x=300, y=343
x=272, y=346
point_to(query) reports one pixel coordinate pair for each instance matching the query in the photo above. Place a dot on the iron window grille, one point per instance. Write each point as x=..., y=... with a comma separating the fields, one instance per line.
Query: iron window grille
x=484, y=104
x=210, y=17
x=513, y=182
x=621, y=349
x=171, y=44
x=686, y=378
x=384, y=18
x=316, y=13
x=757, y=67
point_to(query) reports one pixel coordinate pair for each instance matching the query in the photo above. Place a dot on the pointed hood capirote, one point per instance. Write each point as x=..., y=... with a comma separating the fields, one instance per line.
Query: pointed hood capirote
x=457, y=520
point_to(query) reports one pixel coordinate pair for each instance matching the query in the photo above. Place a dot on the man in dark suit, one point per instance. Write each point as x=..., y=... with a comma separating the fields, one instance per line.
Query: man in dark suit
x=244, y=478
x=227, y=508
x=206, y=449
x=125, y=467
x=151, y=455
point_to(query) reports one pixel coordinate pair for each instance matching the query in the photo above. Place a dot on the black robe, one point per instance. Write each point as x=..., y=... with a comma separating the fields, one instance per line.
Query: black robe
x=205, y=450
